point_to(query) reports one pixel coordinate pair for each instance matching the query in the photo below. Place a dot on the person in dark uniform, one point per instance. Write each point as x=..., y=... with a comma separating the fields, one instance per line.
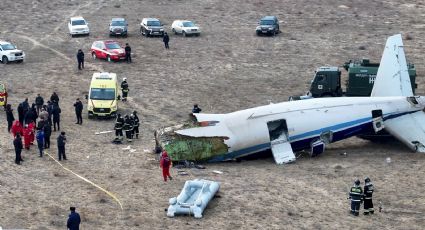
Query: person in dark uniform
x=78, y=111
x=40, y=141
x=368, y=191
x=61, y=146
x=128, y=128
x=136, y=124
x=31, y=115
x=196, y=109
x=54, y=98
x=166, y=39
x=47, y=133
x=356, y=196
x=119, y=123
x=124, y=88
x=49, y=110
x=74, y=220
x=18, y=148
x=80, y=59
x=56, y=116
x=9, y=117
x=127, y=53
x=39, y=101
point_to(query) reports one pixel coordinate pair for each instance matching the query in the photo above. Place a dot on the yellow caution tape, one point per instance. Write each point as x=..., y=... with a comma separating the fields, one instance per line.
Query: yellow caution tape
x=86, y=180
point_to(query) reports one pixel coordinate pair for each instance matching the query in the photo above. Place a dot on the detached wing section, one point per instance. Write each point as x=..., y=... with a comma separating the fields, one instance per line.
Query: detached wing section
x=392, y=78
x=409, y=129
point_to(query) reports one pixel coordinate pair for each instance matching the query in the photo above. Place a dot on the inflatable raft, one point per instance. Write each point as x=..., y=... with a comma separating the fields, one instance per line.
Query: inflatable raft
x=194, y=198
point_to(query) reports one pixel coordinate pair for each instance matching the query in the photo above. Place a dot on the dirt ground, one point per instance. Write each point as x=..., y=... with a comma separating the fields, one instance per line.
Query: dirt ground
x=226, y=69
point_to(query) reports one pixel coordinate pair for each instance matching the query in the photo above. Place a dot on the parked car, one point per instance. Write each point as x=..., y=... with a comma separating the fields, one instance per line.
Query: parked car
x=185, y=28
x=269, y=25
x=109, y=50
x=78, y=25
x=118, y=27
x=151, y=27
x=9, y=52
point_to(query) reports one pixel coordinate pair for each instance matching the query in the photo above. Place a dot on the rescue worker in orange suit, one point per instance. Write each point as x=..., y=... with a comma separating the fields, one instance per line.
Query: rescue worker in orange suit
x=356, y=197
x=16, y=128
x=368, y=191
x=27, y=137
x=165, y=164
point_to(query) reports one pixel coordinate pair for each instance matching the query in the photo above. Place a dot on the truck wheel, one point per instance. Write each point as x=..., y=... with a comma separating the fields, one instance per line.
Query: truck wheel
x=5, y=60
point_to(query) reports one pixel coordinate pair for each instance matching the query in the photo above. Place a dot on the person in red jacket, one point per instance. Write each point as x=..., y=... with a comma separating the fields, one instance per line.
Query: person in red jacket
x=31, y=126
x=27, y=137
x=165, y=164
x=16, y=128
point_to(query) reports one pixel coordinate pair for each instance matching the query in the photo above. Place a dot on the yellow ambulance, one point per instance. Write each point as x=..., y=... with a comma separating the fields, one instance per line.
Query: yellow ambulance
x=103, y=95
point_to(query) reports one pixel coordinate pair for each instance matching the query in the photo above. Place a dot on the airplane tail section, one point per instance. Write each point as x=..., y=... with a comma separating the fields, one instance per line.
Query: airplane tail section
x=392, y=78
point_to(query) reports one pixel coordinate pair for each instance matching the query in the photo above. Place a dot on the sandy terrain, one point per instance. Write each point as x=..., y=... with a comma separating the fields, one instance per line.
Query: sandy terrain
x=227, y=68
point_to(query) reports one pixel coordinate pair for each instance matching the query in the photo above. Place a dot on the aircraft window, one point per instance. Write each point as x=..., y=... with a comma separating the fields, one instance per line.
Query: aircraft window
x=320, y=77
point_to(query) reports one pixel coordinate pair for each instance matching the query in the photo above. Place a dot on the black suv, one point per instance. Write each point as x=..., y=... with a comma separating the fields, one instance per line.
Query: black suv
x=269, y=25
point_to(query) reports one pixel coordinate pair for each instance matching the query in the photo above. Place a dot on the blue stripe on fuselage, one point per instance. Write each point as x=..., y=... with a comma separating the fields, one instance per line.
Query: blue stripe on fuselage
x=358, y=126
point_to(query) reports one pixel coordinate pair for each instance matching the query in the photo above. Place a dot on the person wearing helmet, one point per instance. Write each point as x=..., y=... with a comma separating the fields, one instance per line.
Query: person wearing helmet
x=128, y=127
x=136, y=124
x=368, y=191
x=119, y=123
x=124, y=89
x=356, y=197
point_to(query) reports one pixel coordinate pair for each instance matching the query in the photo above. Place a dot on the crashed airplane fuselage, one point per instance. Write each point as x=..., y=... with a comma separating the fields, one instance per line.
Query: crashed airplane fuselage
x=307, y=124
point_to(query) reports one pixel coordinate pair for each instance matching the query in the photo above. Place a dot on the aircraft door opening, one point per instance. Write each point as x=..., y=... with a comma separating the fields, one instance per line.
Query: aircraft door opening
x=280, y=146
x=377, y=120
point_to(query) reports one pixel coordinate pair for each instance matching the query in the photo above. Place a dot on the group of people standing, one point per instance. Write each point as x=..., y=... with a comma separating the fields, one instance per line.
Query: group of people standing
x=35, y=123
x=128, y=124
x=357, y=195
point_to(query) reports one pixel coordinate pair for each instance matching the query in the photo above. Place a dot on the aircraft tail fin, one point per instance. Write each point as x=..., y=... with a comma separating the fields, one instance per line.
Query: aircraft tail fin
x=392, y=78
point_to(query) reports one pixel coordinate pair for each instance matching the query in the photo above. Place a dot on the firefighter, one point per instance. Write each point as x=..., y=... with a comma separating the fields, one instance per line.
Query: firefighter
x=356, y=197
x=368, y=191
x=136, y=124
x=127, y=128
x=124, y=89
x=119, y=123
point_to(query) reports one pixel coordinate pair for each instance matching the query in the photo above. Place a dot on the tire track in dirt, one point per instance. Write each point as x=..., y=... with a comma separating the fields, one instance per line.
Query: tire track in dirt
x=57, y=52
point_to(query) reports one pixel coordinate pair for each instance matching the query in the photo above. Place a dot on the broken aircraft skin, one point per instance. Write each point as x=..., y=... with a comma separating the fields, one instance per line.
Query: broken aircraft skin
x=306, y=124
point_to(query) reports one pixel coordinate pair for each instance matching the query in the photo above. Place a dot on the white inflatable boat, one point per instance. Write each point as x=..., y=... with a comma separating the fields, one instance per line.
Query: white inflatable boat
x=193, y=198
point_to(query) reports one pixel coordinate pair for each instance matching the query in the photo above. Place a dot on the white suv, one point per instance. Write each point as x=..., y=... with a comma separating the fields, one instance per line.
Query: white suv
x=77, y=25
x=9, y=52
x=185, y=28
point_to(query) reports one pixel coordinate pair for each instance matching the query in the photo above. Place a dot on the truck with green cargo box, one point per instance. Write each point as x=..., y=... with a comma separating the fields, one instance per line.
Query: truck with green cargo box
x=361, y=76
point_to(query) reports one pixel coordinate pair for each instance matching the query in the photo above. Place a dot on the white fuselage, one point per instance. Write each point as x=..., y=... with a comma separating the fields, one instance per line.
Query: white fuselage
x=306, y=120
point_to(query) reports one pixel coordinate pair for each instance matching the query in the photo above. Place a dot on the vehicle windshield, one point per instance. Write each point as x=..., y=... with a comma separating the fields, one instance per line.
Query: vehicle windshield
x=111, y=46
x=154, y=23
x=78, y=23
x=102, y=94
x=8, y=47
x=188, y=24
x=118, y=23
x=266, y=22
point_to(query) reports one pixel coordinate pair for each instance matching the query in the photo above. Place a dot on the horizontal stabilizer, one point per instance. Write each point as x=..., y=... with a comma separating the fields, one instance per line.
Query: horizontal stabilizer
x=392, y=78
x=409, y=129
